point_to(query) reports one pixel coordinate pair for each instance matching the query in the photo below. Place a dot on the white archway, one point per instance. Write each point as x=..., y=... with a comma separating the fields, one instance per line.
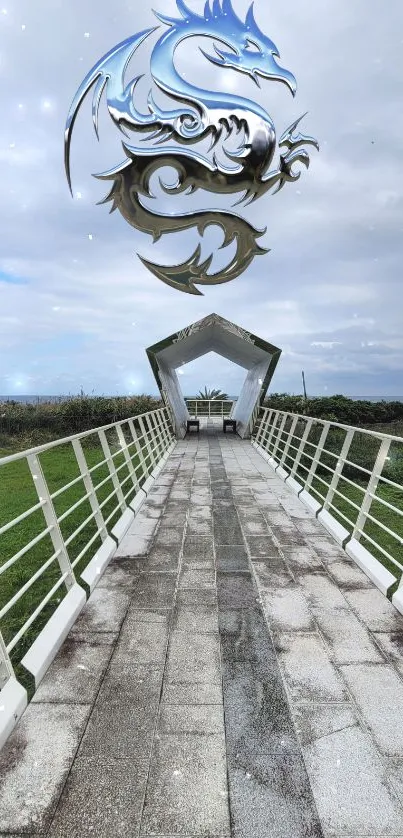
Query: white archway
x=214, y=334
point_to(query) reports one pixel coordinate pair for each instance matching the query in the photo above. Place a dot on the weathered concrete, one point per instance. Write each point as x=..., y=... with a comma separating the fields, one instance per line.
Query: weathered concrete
x=234, y=674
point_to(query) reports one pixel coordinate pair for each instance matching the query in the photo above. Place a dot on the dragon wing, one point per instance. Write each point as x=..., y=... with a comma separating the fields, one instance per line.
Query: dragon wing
x=108, y=73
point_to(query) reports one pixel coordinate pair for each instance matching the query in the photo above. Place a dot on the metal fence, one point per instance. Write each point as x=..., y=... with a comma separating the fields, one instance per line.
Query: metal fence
x=355, y=475
x=214, y=407
x=59, y=503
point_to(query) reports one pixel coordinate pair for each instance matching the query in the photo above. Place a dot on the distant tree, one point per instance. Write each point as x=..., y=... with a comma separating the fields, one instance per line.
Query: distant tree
x=212, y=395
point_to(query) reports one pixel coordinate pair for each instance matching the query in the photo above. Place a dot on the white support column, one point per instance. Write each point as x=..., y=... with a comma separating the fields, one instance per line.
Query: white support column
x=168, y=431
x=304, y=439
x=138, y=448
x=89, y=488
x=317, y=455
x=272, y=429
x=156, y=419
x=52, y=522
x=338, y=470
x=112, y=470
x=164, y=430
x=371, y=488
x=289, y=440
x=127, y=456
x=149, y=435
x=6, y=667
x=280, y=435
x=264, y=427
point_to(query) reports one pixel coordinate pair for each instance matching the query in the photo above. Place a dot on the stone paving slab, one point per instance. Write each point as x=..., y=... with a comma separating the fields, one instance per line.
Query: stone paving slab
x=35, y=762
x=378, y=694
x=309, y=673
x=349, y=785
x=102, y=799
x=193, y=659
x=187, y=787
x=76, y=674
x=271, y=795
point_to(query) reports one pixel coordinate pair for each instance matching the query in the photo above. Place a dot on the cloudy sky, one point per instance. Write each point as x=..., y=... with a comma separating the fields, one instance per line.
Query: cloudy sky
x=77, y=308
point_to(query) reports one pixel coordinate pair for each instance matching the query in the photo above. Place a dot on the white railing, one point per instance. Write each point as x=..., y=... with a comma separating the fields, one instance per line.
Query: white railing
x=61, y=508
x=212, y=407
x=351, y=474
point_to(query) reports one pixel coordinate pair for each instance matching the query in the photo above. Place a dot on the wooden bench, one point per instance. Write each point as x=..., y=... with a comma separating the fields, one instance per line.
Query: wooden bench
x=229, y=423
x=193, y=423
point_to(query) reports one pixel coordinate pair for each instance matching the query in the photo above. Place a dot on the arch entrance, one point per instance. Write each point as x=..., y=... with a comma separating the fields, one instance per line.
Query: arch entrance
x=214, y=334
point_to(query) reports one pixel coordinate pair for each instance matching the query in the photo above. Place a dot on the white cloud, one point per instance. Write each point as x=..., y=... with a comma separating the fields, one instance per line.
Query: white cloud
x=335, y=246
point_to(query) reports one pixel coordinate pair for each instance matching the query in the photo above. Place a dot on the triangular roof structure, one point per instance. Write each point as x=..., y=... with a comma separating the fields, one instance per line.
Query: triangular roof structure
x=214, y=334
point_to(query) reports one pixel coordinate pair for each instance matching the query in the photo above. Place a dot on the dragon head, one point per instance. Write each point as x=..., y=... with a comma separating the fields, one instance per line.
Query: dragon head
x=252, y=52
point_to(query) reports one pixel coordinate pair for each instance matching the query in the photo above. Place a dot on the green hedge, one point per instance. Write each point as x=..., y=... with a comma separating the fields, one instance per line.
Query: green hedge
x=339, y=409
x=71, y=416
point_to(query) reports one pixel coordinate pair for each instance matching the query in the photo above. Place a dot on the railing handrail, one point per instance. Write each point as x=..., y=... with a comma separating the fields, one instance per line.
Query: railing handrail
x=211, y=401
x=40, y=449
x=357, y=428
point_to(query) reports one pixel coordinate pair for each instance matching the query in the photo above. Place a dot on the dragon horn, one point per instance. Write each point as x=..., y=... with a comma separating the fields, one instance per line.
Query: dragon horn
x=169, y=21
x=228, y=11
x=184, y=10
x=216, y=8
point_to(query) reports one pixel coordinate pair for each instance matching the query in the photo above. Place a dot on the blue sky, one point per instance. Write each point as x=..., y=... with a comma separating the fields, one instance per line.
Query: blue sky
x=77, y=308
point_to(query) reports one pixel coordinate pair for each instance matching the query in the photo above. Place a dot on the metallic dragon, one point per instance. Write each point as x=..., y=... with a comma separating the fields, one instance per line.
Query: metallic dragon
x=174, y=137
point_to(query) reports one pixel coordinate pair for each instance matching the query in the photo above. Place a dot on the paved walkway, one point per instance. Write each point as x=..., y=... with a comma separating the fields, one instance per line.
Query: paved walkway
x=233, y=674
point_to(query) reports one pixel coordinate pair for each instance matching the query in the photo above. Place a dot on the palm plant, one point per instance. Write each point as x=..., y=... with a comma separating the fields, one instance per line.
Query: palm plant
x=212, y=395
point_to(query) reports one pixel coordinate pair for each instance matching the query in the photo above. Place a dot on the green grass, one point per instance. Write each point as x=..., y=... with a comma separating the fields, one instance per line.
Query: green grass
x=18, y=494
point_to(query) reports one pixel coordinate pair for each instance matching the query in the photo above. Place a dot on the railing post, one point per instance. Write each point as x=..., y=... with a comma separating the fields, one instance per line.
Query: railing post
x=6, y=667
x=165, y=429
x=112, y=469
x=289, y=440
x=156, y=419
x=267, y=414
x=51, y=519
x=272, y=429
x=304, y=439
x=138, y=448
x=89, y=488
x=338, y=470
x=317, y=455
x=371, y=488
x=280, y=434
x=168, y=433
x=126, y=453
x=144, y=434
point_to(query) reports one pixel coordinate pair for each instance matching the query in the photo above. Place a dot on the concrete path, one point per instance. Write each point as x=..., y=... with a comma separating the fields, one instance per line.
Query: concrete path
x=233, y=674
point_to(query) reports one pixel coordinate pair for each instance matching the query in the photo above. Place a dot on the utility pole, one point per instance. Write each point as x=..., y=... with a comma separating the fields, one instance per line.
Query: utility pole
x=303, y=382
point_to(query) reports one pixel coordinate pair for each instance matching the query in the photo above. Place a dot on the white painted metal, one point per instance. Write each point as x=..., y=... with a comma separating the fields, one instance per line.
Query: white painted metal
x=6, y=667
x=212, y=407
x=13, y=700
x=371, y=488
x=89, y=488
x=47, y=644
x=275, y=437
x=110, y=462
x=51, y=520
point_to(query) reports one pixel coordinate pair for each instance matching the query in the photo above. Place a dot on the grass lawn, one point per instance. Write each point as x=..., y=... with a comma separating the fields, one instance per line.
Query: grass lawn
x=18, y=494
